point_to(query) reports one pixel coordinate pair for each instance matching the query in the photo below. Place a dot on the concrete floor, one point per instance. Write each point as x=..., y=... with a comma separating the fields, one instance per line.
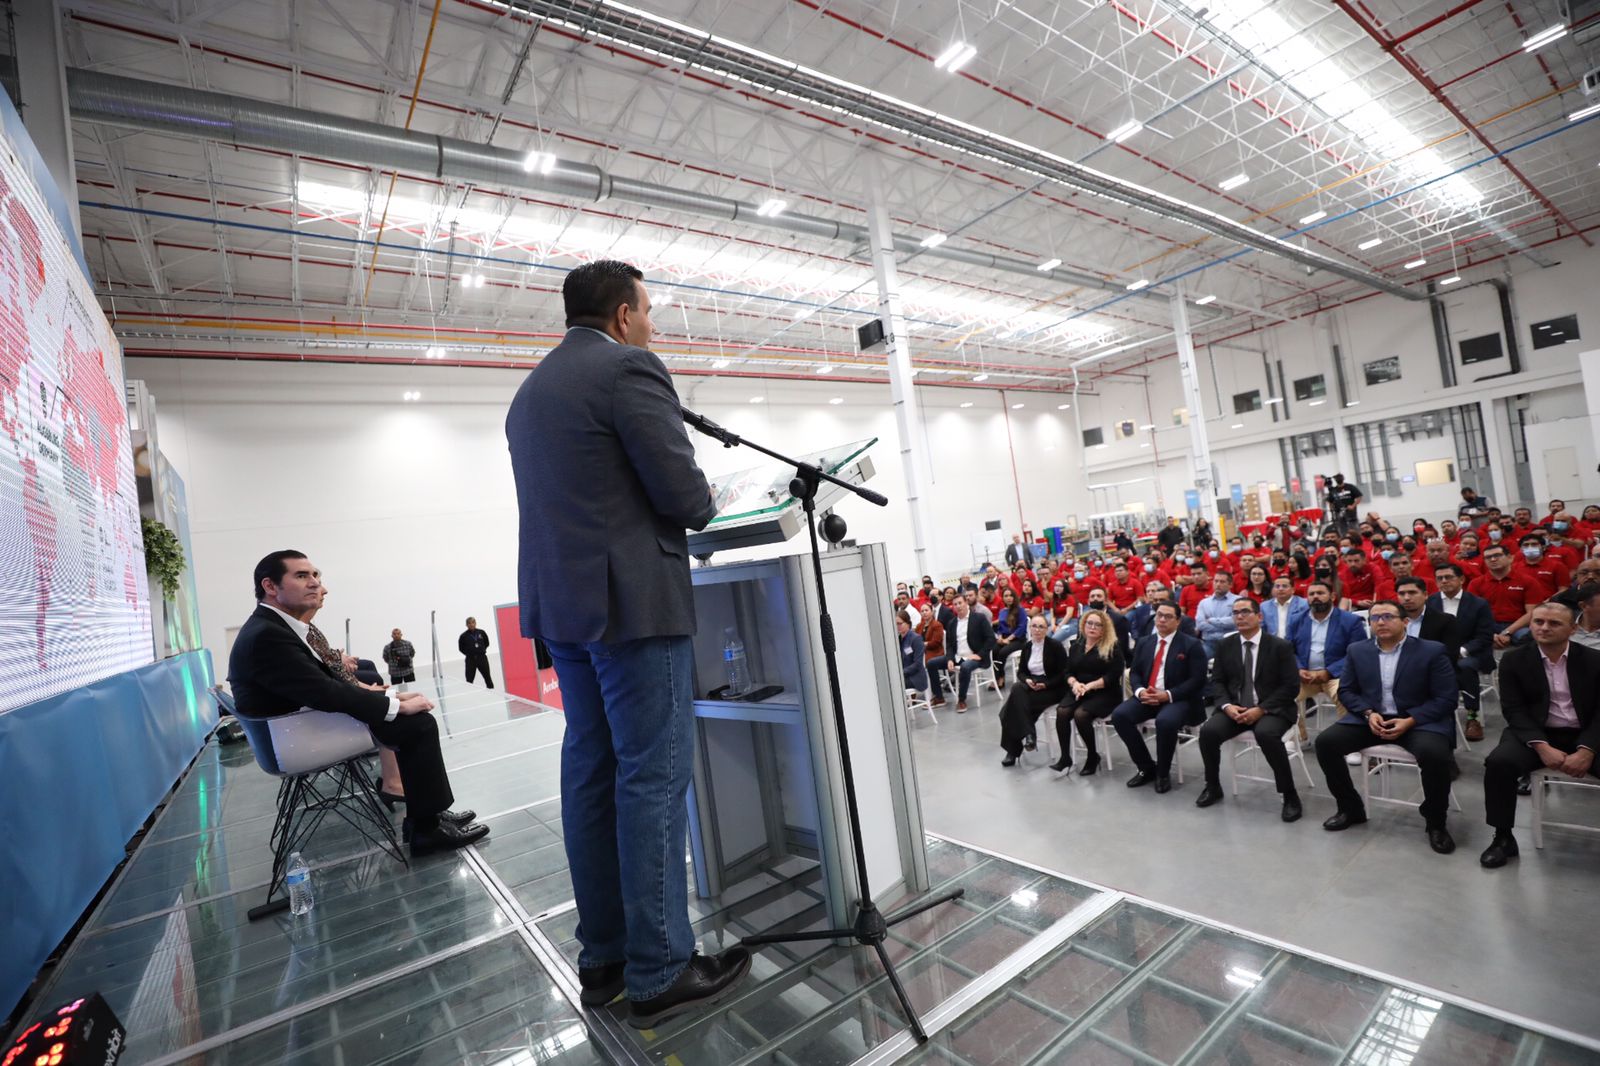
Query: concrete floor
x=1523, y=939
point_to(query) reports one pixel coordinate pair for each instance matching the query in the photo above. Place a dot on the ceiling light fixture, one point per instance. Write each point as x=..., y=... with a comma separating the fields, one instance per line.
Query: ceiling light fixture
x=1209, y=299
x=1316, y=403
x=837, y=400
x=543, y=162
x=955, y=57
x=980, y=377
x=1366, y=245
x=825, y=368
x=435, y=353
x=1017, y=406
x=1229, y=184
x=1048, y=264
x=772, y=208
x=720, y=364
x=1584, y=112
x=1315, y=216
x=1135, y=286
x=758, y=399
x=967, y=404
x=411, y=397
x=1124, y=131
x=1419, y=261
x=1353, y=403
x=1451, y=280
x=1237, y=425
x=1148, y=425
x=1063, y=407
x=1544, y=37
x=933, y=240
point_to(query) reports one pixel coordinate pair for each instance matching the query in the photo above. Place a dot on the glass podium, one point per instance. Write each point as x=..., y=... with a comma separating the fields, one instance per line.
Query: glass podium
x=768, y=786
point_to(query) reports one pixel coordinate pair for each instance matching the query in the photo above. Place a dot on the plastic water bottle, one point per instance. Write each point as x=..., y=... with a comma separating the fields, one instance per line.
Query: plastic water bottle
x=297, y=879
x=738, y=666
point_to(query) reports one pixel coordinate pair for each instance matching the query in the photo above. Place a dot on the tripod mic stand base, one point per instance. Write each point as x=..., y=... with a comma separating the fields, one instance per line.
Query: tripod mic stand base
x=870, y=930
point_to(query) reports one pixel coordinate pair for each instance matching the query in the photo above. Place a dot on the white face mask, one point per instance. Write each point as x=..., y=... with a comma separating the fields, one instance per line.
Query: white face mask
x=1494, y=534
x=1149, y=568
x=1531, y=554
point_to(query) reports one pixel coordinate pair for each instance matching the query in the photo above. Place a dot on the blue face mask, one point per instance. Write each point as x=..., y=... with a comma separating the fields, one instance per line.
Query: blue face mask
x=1387, y=553
x=1391, y=536
x=1149, y=568
x=1495, y=534
x=1559, y=527
x=1214, y=553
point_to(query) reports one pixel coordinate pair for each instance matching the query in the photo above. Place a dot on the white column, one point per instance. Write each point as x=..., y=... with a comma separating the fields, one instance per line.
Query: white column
x=907, y=416
x=1502, y=458
x=42, y=83
x=1199, y=443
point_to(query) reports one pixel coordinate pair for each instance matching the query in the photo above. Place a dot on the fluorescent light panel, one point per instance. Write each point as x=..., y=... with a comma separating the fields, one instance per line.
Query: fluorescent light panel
x=1544, y=37
x=1048, y=264
x=1584, y=112
x=933, y=240
x=1229, y=184
x=772, y=207
x=1373, y=243
x=955, y=57
x=1450, y=280
x=1419, y=261
x=1207, y=299
x=980, y=377
x=1016, y=407
x=543, y=162
x=1315, y=216
x=1135, y=286
x=967, y=404
x=1124, y=131
x=825, y=368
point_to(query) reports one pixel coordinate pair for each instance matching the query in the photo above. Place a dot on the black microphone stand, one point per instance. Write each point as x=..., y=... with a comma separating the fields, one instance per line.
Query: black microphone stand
x=871, y=926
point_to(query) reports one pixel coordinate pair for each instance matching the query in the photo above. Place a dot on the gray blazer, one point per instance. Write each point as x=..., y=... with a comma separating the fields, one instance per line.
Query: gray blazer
x=606, y=485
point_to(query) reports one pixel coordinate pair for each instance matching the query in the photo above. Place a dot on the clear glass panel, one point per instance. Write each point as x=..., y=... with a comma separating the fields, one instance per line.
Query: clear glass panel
x=764, y=488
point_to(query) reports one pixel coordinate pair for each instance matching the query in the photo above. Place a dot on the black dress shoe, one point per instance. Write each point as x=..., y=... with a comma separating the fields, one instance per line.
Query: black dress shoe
x=1441, y=841
x=1525, y=785
x=1009, y=760
x=458, y=817
x=1500, y=851
x=1063, y=763
x=1090, y=765
x=1291, y=809
x=1143, y=777
x=1209, y=795
x=1163, y=783
x=445, y=836
x=703, y=982
x=600, y=984
x=1342, y=820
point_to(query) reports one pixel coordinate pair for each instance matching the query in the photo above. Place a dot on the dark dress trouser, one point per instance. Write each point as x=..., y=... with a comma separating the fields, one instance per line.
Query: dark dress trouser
x=479, y=661
x=1269, y=730
x=415, y=740
x=1511, y=759
x=1170, y=719
x=1021, y=711
x=1431, y=750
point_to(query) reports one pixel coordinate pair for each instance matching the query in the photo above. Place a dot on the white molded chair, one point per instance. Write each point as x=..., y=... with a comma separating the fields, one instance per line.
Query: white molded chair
x=317, y=758
x=1244, y=745
x=918, y=700
x=1378, y=760
x=1545, y=779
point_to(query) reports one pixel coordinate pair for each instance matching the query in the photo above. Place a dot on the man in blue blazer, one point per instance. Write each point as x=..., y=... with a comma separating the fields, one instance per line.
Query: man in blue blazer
x=1321, y=638
x=607, y=483
x=1396, y=690
x=1169, y=678
x=1475, y=629
x=1283, y=610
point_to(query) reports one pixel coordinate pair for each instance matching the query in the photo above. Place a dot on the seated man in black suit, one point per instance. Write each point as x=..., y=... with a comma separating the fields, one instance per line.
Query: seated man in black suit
x=1475, y=630
x=1550, y=695
x=1169, y=677
x=1254, y=682
x=1401, y=690
x=278, y=665
x=968, y=643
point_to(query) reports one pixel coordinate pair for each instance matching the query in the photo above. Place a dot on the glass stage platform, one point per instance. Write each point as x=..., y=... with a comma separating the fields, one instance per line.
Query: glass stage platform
x=467, y=958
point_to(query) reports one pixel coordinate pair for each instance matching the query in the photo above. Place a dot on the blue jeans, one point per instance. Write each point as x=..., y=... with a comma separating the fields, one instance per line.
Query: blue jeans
x=626, y=761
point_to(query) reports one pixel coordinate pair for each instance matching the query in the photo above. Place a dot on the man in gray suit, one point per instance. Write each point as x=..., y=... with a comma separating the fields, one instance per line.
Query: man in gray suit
x=606, y=485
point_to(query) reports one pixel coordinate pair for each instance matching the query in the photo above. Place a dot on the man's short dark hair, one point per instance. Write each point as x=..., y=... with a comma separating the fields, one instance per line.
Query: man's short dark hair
x=1467, y=488
x=1410, y=582
x=1245, y=603
x=593, y=292
x=1326, y=587
x=272, y=568
x=1493, y=548
x=1452, y=567
x=1166, y=605
x=1561, y=600
x=1388, y=603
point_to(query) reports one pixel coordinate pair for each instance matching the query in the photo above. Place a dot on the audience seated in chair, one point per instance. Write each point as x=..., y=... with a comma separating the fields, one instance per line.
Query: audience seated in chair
x=1169, y=672
x=1041, y=682
x=1094, y=688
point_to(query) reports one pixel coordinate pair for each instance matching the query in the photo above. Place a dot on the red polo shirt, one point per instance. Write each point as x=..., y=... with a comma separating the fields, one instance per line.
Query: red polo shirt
x=1123, y=594
x=1510, y=597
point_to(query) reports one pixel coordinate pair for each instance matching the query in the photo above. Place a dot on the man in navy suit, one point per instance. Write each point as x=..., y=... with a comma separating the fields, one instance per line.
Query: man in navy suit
x=606, y=485
x=1320, y=640
x=1475, y=631
x=1169, y=677
x=1396, y=690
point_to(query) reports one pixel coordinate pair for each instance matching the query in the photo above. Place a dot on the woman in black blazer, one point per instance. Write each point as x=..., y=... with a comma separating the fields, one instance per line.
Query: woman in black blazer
x=1094, y=688
x=1039, y=685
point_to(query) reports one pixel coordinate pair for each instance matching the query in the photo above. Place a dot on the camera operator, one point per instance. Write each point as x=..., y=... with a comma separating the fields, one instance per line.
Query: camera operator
x=1343, y=499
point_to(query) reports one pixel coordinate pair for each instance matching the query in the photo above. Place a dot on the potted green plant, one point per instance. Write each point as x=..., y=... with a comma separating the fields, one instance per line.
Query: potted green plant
x=163, y=556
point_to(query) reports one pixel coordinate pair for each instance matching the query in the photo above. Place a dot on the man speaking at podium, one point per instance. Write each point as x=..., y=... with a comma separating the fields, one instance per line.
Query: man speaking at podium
x=606, y=485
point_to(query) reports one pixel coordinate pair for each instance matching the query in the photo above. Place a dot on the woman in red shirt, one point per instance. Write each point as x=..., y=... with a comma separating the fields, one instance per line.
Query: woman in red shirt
x=1029, y=598
x=1258, y=584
